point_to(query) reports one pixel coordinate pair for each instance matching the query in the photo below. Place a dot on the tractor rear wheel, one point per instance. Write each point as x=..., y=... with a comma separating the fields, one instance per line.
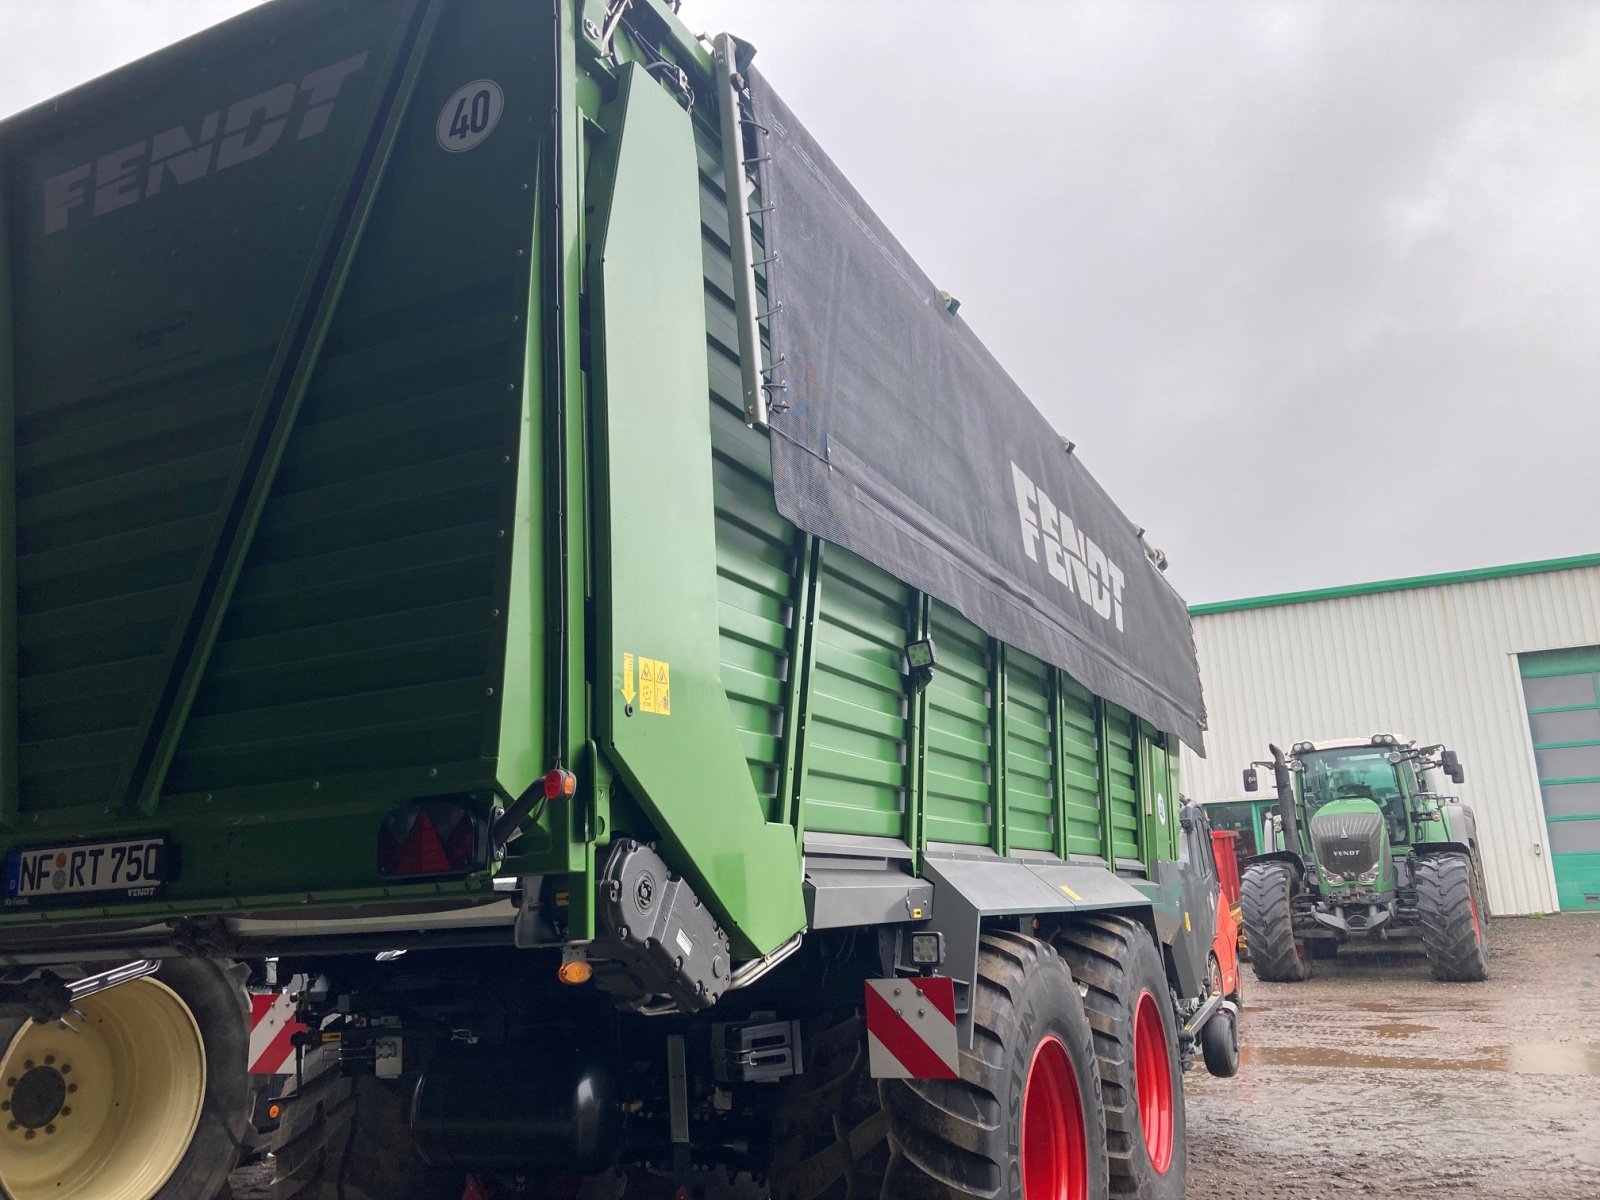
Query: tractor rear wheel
x=1024, y=1120
x=144, y=1098
x=1452, y=923
x=1267, y=893
x=1136, y=1047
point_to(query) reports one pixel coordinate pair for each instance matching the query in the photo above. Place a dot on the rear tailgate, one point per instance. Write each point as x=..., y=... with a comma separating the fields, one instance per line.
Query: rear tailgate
x=262, y=340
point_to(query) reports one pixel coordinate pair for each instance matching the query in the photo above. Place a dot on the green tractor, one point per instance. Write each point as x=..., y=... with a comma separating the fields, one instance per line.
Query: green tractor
x=1363, y=847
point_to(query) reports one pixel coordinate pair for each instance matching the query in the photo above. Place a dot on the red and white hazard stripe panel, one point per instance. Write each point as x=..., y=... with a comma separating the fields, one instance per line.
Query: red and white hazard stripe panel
x=272, y=1030
x=911, y=1029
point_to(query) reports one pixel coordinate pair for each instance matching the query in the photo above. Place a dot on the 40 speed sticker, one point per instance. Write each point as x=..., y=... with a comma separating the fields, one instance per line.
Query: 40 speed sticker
x=470, y=115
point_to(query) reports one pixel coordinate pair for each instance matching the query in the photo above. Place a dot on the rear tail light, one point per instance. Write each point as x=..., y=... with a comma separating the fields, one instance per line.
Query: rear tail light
x=433, y=838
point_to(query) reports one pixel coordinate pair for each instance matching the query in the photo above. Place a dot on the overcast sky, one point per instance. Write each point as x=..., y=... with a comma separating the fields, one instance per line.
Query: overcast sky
x=1314, y=285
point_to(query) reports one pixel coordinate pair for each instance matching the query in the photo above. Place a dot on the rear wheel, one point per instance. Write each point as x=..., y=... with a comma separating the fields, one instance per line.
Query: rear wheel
x=1136, y=1051
x=1450, y=911
x=1024, y=1120
x=145, y=1099
x=830, y=1131
x=349, y=1138
x=1267, y=895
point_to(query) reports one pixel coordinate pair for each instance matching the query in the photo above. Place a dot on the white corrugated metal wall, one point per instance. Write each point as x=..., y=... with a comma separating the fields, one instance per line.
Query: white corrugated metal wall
x=1437, y=663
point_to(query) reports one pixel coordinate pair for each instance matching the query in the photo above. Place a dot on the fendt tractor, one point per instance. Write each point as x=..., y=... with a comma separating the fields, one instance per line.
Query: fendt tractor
x=1362, y=847
x=495, y=530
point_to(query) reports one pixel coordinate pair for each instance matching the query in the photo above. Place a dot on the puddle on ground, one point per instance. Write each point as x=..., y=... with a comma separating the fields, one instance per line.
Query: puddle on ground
x=1528, y=1059
x=1399, y=1029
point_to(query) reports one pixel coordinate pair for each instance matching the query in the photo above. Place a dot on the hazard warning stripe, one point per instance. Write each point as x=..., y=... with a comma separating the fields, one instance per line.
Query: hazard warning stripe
x=939, y=993
x=902, y=1042
x=272, y=1030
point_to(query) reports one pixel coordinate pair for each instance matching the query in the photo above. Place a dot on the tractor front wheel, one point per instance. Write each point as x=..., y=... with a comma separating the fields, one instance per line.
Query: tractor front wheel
x=1452, y=919
x=1276, y=954
x=1024, y=1119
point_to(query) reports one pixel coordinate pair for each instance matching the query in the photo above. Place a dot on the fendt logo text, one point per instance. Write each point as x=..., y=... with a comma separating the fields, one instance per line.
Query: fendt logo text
x=248, y=128
x=1071, y=555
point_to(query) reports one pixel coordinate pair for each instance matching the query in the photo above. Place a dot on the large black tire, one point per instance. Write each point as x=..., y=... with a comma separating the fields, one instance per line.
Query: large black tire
x=830, y=1132
x=1449, y=908
x=349, y=1138
x=214, y=993
x=1116, y=958
x=1276, y=955
x=970, y=1137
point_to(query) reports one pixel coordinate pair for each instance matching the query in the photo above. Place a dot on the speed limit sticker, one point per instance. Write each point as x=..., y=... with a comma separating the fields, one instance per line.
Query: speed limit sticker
x=470, y=115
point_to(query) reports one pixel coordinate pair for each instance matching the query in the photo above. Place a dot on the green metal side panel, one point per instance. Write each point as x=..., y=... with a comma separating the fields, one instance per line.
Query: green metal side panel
x=678, y=750
x=756, y=575
x=1029, y=755
x=1080, y=758
x=1121, y=780
x=1157, y=797
x=856, y=770
x=960, y=787
x=142, y=357
x=1562, y=690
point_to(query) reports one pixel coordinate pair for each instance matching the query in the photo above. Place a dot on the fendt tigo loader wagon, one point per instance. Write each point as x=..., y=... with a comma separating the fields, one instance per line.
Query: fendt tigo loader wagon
x=495, y=529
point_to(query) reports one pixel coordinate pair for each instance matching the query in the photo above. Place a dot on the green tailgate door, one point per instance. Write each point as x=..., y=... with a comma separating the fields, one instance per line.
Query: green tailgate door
x=1562, y=688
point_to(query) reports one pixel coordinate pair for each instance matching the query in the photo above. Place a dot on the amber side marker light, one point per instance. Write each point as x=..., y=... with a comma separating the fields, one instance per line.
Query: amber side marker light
x=574, y=972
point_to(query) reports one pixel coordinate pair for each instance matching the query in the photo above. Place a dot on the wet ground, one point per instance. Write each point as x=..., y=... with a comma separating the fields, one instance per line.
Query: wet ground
x=1373, y=1081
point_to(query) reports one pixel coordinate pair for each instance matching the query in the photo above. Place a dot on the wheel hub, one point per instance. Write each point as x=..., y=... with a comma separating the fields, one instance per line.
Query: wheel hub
x=38, y=1097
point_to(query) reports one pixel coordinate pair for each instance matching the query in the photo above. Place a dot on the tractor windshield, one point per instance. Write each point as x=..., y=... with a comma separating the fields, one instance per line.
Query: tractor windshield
x=1359, y=773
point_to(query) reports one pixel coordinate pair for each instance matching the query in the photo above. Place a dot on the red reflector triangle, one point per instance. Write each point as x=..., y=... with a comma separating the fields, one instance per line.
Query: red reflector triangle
x=423, y=853
x=462, y=843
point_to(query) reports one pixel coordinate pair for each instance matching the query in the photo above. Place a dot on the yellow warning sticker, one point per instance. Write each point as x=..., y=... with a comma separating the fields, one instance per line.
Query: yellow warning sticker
x=627, y=678
x=1068, y=893
x=655, y=687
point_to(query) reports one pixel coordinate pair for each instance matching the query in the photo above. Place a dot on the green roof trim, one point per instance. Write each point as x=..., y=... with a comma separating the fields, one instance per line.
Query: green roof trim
x=1397, y=585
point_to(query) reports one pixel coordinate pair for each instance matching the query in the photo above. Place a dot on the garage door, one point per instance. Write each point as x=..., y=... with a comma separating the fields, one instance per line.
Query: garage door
x=1562, y=688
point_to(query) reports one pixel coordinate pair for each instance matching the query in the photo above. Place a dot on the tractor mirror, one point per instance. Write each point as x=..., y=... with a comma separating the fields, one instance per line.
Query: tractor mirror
x=1251, y=783
x=1451, y=762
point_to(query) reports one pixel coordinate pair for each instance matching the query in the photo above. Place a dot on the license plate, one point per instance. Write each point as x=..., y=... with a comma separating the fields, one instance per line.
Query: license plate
x=131, y=868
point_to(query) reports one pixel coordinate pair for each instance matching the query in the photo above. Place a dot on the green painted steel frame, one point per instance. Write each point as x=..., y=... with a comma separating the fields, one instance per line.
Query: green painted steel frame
x=161, y=726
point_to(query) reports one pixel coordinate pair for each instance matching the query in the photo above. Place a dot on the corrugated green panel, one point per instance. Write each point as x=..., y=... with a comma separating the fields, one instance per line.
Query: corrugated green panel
x=1122, y=779
x=1080, y=756
x=856, y=733
x=756, y=563
x=755, y=581
x=1030, y=753
x=959, y=784
x=366, y=629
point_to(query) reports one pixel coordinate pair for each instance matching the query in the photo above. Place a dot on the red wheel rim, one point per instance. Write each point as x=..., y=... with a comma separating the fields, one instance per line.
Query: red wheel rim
x=1055, y=1143
x=1153, y=1081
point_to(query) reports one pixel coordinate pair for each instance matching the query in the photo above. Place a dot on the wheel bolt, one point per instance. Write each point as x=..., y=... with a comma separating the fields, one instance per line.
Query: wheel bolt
x=12, y=1082
x=49, y=1060
x=72, y=1087
x=49, y=1128
x=66, y=1110
x=28, y=1066
x=66, y=1068
x=11, y=1126
x=29, y=1134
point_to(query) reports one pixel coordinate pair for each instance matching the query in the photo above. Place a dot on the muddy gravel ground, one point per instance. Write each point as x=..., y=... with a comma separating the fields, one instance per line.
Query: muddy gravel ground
x=1371, y=1080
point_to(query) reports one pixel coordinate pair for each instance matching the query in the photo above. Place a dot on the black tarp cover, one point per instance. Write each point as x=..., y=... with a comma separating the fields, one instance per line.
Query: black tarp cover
x=904, y=441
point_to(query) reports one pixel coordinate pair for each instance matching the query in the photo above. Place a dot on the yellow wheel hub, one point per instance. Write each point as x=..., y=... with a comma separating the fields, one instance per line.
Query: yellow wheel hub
x=107, y=1109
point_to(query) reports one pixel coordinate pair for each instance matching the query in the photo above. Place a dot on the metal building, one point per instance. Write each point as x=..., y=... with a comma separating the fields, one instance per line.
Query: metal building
x=1501, y=664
